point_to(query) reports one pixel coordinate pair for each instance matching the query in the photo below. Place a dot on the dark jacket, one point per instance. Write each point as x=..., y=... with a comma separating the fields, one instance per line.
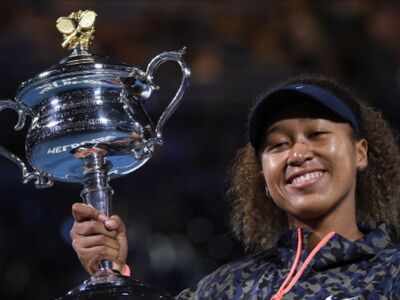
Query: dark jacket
x=364, y=269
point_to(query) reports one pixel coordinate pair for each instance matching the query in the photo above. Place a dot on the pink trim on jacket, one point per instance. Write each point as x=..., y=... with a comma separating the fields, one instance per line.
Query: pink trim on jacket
x=292, y=278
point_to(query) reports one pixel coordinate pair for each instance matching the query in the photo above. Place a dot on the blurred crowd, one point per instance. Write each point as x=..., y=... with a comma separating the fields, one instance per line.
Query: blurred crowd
x=175, y=206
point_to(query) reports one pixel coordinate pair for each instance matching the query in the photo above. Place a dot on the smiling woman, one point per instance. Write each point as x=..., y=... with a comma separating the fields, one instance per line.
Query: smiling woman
x=321, y=172
x=257, y=220
x=321, y=168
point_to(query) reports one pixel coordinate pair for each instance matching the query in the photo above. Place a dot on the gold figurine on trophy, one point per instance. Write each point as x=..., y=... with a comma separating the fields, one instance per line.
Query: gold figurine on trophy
x=77, y=29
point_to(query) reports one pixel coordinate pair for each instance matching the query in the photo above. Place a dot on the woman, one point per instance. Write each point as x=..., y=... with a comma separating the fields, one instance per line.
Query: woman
x=321, y=172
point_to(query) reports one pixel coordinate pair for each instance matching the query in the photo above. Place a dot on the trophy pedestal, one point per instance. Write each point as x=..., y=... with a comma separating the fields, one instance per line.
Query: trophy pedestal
x=122, y=288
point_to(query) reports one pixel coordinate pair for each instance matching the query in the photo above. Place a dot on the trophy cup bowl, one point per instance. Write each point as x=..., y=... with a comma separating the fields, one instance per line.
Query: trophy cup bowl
x=88, y=126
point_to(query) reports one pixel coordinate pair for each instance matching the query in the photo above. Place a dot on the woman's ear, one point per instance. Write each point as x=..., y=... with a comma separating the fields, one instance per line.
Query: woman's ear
x=361, y=154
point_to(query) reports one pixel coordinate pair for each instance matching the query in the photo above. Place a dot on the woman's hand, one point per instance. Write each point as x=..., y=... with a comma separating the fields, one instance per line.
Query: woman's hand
x=96, y=237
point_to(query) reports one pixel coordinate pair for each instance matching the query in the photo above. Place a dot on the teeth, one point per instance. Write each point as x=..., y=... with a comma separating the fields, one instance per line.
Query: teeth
x=306, y=177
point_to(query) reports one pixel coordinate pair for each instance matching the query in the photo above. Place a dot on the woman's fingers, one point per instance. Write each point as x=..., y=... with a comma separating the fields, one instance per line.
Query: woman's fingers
x=83, y=212
x=115, y=223
x=96, y=237
x=94, y=241
x=91, y=228
x=121, y=237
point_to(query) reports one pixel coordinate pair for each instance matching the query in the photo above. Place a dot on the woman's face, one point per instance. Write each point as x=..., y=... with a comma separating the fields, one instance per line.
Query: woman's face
x=310, y=164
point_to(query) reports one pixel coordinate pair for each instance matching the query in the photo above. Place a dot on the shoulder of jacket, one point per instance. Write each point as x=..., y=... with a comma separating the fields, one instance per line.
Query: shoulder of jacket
x=244, y=264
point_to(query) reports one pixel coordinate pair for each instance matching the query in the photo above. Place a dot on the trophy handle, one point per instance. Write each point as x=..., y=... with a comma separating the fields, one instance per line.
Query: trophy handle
x=41, y=181
x=173, y=105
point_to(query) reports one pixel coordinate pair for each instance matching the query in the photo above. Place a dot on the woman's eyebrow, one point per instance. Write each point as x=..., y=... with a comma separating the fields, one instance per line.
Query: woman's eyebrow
x=273, y=129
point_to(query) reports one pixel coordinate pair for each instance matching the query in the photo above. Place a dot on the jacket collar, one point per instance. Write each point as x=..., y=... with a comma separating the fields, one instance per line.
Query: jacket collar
x=340, y=250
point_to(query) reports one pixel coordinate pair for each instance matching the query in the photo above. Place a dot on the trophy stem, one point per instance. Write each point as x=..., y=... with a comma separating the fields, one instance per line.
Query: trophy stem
x=97, y=192
x=105, y=284
x=96, y=189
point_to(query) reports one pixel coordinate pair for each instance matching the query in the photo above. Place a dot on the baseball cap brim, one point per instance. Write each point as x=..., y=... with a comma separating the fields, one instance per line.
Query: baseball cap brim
x=268, y=103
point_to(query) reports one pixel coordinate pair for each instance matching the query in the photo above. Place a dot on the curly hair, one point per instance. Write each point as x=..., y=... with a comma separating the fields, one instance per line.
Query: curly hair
x=257, y=221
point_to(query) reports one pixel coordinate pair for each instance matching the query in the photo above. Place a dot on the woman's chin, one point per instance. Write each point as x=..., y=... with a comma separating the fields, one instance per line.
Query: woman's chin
x=307, y=209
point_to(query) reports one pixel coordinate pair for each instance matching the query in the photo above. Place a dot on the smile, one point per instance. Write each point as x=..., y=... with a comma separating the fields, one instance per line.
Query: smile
x=306, y=179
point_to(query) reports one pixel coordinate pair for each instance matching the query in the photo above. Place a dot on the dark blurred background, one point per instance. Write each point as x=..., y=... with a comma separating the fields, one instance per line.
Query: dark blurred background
x=175, y=206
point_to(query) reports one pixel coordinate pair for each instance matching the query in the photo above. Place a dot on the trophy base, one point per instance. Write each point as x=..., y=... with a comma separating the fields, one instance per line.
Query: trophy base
x=122, y=288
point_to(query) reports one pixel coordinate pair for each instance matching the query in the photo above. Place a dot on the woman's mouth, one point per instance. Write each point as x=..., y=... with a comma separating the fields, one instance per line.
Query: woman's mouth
x=305, y=179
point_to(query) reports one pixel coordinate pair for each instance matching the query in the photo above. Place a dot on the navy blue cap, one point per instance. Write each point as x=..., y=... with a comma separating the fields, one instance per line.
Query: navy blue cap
x=346, y=109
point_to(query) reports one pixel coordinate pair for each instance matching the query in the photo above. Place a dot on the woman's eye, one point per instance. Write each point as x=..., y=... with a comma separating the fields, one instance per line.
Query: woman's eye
x=318, y=133
x=277, y=146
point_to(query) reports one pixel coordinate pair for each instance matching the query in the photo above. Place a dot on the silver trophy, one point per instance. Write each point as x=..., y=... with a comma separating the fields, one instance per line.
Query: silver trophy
x=88, y=126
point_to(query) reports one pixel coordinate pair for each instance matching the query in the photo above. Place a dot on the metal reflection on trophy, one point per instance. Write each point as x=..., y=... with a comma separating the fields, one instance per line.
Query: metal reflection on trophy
x=89, y=125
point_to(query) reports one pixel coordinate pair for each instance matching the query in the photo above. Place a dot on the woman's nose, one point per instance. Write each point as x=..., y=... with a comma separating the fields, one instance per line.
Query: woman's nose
x=300, y=153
